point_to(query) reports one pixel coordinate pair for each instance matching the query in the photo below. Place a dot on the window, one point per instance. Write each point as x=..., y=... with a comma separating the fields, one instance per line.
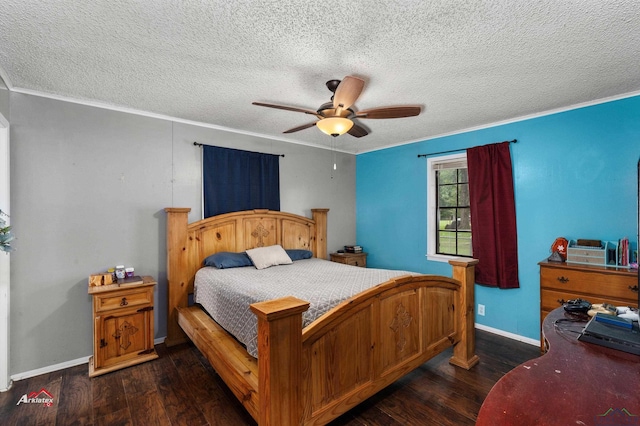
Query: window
x=449, y=215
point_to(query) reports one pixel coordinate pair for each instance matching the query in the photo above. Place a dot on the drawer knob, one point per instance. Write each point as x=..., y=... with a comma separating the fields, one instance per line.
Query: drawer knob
x=563, y=280
x=634, y=288
x=124, y=302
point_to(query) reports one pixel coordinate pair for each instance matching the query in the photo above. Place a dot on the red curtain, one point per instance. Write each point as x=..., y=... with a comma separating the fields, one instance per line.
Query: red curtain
x=493, y=215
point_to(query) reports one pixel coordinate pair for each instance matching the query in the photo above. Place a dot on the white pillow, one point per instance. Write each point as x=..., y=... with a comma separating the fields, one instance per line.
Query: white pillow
x=263, y=257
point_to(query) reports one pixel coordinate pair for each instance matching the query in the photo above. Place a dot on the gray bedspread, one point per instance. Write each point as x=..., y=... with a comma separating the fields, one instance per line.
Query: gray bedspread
x=227, y=293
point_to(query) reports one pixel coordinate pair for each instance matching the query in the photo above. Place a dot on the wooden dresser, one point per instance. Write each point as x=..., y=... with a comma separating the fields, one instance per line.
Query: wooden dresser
x=353, y=259
x=561, y=281
x=123, y=325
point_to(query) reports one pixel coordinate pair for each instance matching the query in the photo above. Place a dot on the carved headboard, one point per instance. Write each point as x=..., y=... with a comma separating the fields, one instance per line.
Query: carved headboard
x=189, y=244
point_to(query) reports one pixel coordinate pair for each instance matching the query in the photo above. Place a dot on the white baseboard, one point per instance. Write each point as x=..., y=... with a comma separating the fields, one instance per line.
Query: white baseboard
x=513, y=336
x=61, y=366
x=49, y=369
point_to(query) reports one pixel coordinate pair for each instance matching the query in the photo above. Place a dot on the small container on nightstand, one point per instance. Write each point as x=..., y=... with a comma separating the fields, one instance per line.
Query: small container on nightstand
x=122, y=324
x=353, y=259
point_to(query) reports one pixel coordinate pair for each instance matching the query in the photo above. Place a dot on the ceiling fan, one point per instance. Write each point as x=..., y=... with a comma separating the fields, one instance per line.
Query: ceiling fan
x=336, y=118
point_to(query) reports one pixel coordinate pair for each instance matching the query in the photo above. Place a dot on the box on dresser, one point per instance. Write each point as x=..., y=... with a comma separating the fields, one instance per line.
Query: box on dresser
x=587, y=255
x=607, y=253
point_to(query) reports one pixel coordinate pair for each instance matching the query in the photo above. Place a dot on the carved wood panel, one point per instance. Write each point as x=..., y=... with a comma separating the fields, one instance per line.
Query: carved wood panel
x=400, y=328
x=124, y=337
x=260, y=232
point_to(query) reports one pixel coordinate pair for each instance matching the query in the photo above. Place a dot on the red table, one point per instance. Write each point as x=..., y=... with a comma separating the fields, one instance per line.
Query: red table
x=574, y=383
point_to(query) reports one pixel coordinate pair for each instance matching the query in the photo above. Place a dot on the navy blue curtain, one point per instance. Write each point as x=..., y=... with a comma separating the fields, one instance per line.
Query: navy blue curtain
x=236, y=180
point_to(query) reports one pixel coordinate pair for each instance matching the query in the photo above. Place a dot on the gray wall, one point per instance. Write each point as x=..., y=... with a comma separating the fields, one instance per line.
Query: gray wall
x=88, y=189
x=4, y=101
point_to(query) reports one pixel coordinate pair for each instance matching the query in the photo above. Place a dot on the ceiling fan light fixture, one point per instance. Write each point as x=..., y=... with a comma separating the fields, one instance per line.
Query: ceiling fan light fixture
x=334, y=126
x=337, y=117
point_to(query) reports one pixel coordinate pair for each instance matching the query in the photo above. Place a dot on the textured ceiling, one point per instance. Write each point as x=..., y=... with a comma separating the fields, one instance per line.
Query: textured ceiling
x=467, y=63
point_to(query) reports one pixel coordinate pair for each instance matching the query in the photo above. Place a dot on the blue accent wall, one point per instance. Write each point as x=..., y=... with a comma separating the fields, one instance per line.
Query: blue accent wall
x=575, y=175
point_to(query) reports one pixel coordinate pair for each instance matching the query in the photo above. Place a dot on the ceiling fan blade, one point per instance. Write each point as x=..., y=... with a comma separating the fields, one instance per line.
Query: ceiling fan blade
x=389, y=112
x=347, y=92
x=286, y=108
x=304, y=126
x=357, y=131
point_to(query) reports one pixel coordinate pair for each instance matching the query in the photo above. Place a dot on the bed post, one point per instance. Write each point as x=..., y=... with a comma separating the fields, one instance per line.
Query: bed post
x=280, y=360
x=464, y=351
x=177, y=271
x=320, y=218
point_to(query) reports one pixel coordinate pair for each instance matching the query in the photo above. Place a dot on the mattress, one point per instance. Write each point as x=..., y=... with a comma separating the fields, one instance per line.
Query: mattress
x=227, y=293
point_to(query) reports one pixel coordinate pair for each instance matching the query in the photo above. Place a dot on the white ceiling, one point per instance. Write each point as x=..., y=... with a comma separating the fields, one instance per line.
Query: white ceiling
x=468, y=63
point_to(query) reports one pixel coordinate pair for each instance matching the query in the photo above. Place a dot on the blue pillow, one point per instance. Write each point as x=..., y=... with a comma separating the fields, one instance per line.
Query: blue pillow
x=298, y=254
x=225, y=259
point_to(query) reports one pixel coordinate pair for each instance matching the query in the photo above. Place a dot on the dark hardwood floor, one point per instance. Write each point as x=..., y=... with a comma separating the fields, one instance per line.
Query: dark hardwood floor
x=181, y=388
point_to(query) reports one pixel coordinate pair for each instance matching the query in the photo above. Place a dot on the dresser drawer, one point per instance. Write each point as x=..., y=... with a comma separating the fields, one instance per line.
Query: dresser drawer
x=552, y=299
x=125, y=298
x=614, y=286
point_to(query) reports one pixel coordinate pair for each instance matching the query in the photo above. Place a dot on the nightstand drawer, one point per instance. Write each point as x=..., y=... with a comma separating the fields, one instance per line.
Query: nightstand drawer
x=353, y=259
x=127, y=298
x=357, y=261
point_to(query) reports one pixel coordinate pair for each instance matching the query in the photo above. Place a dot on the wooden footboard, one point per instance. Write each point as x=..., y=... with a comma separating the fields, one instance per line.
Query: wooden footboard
x=377, y=337
x=312, y=376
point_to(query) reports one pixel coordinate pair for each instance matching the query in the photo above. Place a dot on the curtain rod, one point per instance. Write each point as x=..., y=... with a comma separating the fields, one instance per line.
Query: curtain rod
x=457, y=150
x=202, y=144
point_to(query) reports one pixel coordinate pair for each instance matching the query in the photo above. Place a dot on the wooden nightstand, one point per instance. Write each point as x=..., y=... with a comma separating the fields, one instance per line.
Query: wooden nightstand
x=122, y=325
x=354, y=259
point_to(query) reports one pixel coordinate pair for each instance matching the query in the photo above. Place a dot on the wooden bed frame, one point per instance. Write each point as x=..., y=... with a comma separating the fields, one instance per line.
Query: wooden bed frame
x=315, y=374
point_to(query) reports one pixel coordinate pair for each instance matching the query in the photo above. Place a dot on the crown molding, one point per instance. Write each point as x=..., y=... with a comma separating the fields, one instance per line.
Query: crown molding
x=133, y=111
x=514, y=120
x=263, y=136
x=5, y=78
